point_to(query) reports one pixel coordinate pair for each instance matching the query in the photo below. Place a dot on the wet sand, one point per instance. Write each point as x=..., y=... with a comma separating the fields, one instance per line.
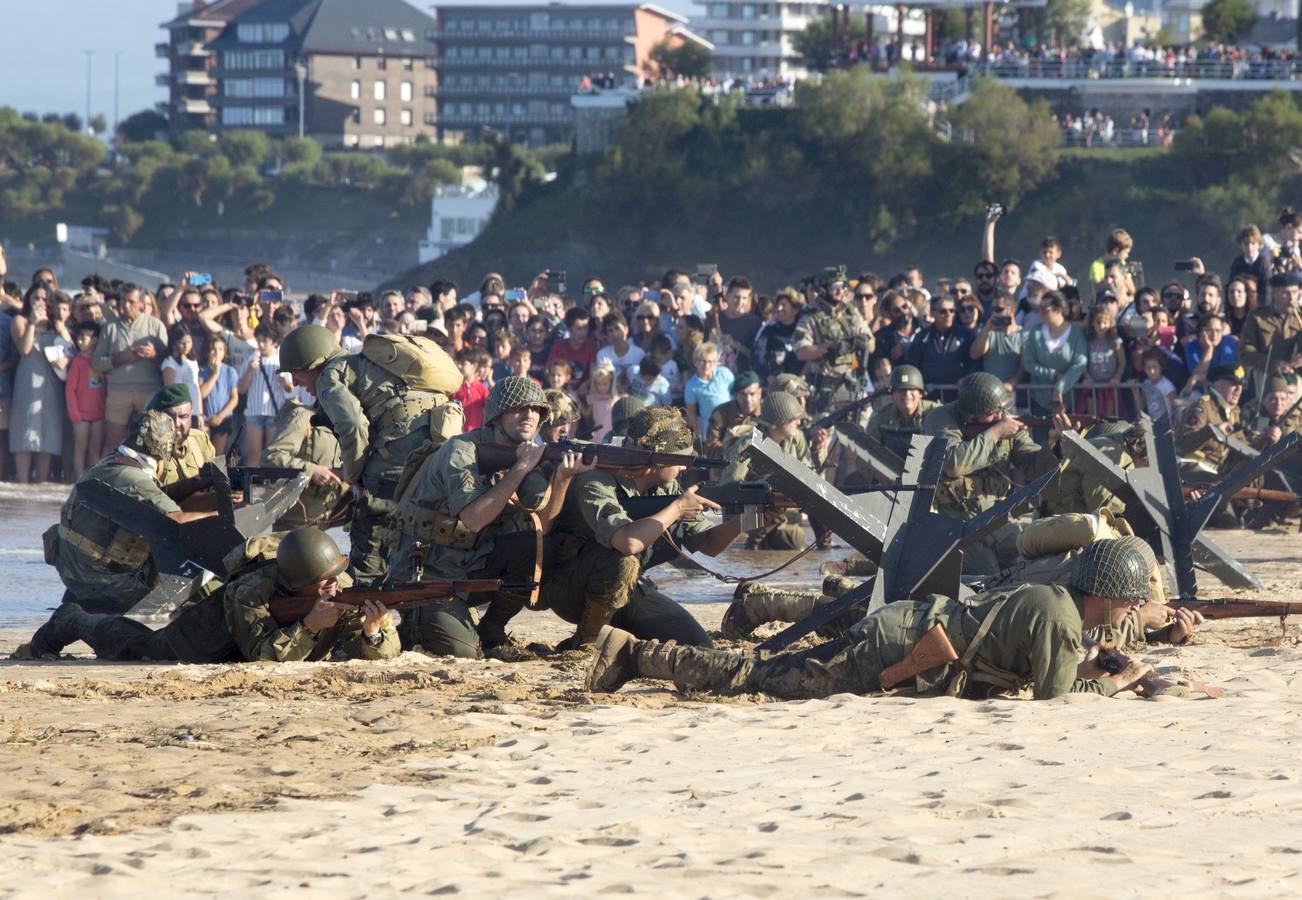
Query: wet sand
x=426, y=774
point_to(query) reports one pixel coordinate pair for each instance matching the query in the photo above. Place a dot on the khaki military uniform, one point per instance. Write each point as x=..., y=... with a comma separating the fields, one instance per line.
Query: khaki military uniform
x=1195, y=441
x=787, y=533
x=1025, y=638
x=235, y=624
x=378, y=420
x=304, y=439
x=977, y=475
x=1081, y=490
x=104, y=567
x=188, y=458
x=893, y=429
x=1265, y=329
x=841, y=328
x=586, y=569
x=431, y=542
x=724, y=422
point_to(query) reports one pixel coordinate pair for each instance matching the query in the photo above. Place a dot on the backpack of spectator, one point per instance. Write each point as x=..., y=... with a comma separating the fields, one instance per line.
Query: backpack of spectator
x=419, y=362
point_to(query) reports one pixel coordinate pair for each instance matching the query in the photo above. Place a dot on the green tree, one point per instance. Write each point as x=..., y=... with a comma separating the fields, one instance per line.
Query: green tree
x=686, y=59
x=512, y=169
x=1065, y=21
x=145, y=125
x=122, y=220
x=98, y=124
x=1228, y=20
x=815, y=44
x=300, y=150
x=246, y=147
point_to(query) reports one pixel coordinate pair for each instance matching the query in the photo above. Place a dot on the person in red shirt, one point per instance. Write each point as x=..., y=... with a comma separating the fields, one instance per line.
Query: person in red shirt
x=473, y=393
x=579, y=349
x=84, y=393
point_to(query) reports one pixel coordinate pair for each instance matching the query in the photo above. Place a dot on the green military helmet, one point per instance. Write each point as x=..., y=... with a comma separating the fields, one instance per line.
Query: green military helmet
x=1113, y=569
x=513, y=392
x=981, y=394
x=779, y=408
x=624, y=409
x=791, y=384
x=907, y=378
x=1145, y=549
x=662, y=429
x=154, y=435
x=561, y=409
x=306, y=556
x=306, y=347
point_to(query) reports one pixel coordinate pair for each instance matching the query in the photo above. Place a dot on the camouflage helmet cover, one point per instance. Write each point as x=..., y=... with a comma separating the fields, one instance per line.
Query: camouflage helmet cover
x=513, y=392
x=154, y=435
x=561, y=409
x=981, y=394
x=1113, y=569
x=661, y=429
x=791, y=384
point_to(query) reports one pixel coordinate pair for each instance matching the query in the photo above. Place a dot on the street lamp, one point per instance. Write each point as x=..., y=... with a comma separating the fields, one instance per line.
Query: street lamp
x=301, y=71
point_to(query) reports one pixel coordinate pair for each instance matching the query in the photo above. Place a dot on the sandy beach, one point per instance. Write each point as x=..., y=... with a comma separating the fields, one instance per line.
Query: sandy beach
x=437, y=775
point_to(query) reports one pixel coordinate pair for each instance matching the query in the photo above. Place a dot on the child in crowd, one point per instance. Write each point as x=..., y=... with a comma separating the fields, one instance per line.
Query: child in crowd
x=264, y=391
x=84, y=393
x=1099, y=395
x=520, y=360
x=502, y=345
x=1050, y=254
x=600, y=399
x=181, y=367
x=649, y=381
x=218, y=385
x=1159, y=392
x=881, y=382
x=662, y=354
x=1163, y=332
x=710, y=386
x=557, y=375
x=473, y=393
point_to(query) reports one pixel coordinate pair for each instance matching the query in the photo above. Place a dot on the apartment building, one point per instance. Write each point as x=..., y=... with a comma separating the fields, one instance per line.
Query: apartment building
x=757, y=39
x=514, y=68
x=346, y=73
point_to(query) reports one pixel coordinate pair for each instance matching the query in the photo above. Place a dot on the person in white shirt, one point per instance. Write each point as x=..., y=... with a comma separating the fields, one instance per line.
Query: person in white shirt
x=620, y=352
x=264, y=392
x=181, y=368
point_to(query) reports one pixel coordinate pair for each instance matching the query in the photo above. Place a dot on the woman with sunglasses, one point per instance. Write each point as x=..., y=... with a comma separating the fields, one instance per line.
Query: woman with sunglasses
x=1055, y=356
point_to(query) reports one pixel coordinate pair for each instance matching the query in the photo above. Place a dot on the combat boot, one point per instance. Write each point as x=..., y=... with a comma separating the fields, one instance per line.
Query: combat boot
x=597, y=614
x=68, y=624
x=755, y=604
x=620, y=657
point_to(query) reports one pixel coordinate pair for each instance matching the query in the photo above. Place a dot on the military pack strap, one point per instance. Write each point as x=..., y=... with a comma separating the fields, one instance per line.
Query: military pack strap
x=535, y=524
x=128, y=552
x=965, y=662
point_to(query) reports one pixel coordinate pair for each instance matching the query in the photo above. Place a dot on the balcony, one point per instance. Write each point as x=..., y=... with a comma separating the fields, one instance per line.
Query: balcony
x=498, y=119
x=194, y=107
x=542, y=35
x=196, y=48
x=199, y=77
x=501, y=90
x=162, y=51
x=530, y=62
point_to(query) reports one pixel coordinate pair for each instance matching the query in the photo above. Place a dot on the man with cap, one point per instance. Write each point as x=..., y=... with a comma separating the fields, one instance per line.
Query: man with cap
x=1009, y=640
x=191, y=450
x=454, y=521
x=779, y=421
x=738, y=412
x=104, y=567
x=1273, y=330
x=1279, y=417
x=601, y=553
x=304, y=441
x=985, y=443
x=1196, y=442
x=379, y=417
x=894, y=425
x=236, y=624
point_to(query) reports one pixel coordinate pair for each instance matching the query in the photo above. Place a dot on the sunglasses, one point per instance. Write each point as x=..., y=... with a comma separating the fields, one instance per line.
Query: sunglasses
x=968, y=310
x=646, y=318
x=945, y=311
x=866, y=296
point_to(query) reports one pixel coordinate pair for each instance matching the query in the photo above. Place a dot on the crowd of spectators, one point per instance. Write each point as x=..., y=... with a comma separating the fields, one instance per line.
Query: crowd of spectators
x=76, y=365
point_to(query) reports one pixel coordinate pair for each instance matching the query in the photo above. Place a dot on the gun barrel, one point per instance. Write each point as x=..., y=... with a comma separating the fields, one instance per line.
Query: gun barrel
x=1232, y=608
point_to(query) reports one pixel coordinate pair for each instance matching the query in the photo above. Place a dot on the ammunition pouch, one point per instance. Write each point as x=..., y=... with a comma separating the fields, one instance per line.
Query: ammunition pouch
x=126, y=551
x=434, y=527
x=50, y=545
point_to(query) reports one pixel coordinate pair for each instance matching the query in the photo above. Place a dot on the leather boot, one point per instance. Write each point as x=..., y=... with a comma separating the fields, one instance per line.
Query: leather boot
x=68, y=624
x=596, y=616
x=612, y=664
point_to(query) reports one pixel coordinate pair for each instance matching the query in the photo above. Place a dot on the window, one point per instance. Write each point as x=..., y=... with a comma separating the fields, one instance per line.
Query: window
x=381, y=63
x=357, y=64
x=409, y=37
x=253, y=59
x=390, y=34
x=407, y=64
x=254, y=87
x=719, y=38
x=718, y=10
x=253, y=115
x=747, y=38
x=380, y=90
x=262, y=32
x=377, y=141
x=405, y=117
x=356, y=116
x=378, y=117
x=748, y=11
x=539, y=21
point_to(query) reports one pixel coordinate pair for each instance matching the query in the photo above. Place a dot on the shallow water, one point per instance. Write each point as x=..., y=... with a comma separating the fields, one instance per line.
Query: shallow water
x=30, y=589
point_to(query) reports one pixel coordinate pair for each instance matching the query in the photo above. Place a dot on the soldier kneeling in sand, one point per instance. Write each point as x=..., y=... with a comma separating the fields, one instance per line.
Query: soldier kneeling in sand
x=240, y=621
x=998, y=641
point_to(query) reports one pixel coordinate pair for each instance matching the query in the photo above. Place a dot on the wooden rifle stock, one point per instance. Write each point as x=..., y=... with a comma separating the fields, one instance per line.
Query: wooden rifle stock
x=932, y=650
x=495, y=457
x=1233, y=608
x=290, y=608
x=1252, y=493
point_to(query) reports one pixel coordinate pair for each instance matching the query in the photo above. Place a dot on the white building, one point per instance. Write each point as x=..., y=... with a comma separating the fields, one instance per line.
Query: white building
x=757, y=39
x=457, y=215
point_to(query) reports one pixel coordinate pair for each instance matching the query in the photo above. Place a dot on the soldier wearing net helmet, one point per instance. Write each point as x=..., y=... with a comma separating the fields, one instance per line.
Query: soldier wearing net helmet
x=454, y=521
x=986, y=443
x=1014, y=640
x=597, y=576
